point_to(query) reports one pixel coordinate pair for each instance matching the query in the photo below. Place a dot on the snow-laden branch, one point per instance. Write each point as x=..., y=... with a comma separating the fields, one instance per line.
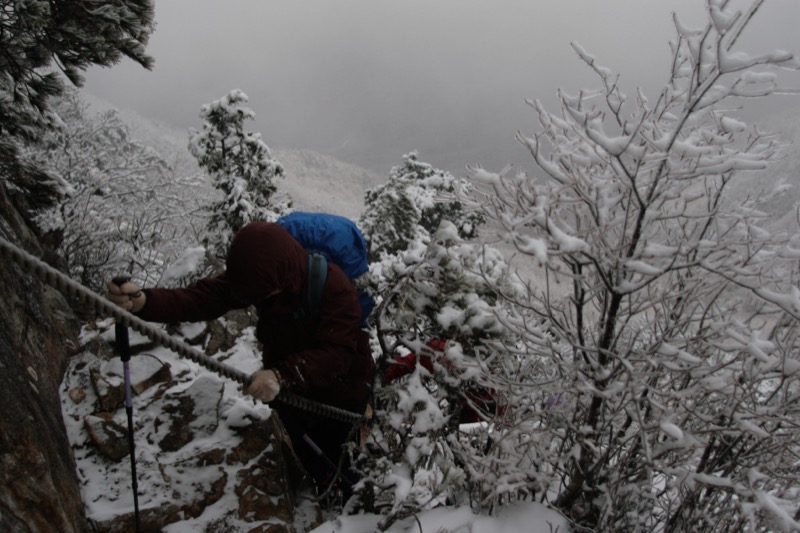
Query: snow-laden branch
x=659, y=288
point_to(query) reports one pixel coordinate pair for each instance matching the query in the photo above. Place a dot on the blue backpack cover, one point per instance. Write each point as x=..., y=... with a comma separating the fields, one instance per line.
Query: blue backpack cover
x=339, y=241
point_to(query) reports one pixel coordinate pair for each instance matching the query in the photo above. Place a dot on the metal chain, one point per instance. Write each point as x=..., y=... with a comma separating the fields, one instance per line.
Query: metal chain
x=58, y=280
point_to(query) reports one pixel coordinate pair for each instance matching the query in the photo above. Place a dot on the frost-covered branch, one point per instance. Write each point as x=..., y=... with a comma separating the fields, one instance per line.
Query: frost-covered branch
x=657, y=289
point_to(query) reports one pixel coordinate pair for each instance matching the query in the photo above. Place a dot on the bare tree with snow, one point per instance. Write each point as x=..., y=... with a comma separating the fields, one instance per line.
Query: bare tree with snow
x=124, y=210
x=660, y=388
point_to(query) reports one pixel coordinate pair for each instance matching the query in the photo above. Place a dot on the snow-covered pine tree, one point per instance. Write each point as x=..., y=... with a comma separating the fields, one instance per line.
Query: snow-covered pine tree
x=661, y=316
x=241, y=168
x=437, y=302
x=398, y=221
x=440, y=302
x=72, y=36
x=416, y=199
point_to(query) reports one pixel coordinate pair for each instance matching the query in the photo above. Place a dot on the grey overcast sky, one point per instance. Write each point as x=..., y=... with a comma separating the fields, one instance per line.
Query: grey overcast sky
x=367, y=81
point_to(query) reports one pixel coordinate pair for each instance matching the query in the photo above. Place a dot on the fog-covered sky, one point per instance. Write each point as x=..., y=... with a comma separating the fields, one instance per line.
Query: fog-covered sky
x=370, y=80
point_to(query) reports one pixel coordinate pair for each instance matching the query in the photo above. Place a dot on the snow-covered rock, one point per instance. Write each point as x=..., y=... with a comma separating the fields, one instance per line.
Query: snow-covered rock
x=208, y=458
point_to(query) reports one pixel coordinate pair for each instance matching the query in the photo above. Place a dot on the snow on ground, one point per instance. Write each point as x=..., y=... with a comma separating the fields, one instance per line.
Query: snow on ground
x=106, y=485
x=529, y=517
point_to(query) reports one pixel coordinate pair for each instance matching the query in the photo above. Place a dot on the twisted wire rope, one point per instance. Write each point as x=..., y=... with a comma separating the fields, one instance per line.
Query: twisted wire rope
x=64, y=284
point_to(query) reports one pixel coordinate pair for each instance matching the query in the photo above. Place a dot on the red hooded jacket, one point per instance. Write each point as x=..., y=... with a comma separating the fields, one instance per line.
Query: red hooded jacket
x=325, y=358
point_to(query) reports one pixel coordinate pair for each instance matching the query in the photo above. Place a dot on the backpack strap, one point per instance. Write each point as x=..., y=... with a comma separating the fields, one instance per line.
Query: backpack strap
x=317, y=274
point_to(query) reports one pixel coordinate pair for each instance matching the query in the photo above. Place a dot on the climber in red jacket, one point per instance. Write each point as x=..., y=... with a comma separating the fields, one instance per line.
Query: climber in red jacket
x=325, y=358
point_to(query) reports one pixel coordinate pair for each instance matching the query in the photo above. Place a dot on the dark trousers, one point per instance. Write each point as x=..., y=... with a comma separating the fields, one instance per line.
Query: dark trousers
x=318, y=443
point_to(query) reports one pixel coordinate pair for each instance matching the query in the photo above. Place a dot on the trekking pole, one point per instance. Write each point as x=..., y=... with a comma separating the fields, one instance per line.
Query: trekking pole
x=124, y=348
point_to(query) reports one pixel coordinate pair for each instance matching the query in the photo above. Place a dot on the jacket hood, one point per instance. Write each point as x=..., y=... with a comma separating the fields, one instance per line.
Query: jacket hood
x=264, y=257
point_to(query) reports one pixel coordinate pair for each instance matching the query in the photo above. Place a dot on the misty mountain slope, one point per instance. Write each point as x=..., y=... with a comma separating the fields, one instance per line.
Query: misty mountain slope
x=783, y=171
x=786, y=169
x=315, y=182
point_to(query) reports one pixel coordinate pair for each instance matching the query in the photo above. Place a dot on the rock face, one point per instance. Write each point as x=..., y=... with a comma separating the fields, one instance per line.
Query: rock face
x=39, y=489
x=202, y=448
x=193, y=413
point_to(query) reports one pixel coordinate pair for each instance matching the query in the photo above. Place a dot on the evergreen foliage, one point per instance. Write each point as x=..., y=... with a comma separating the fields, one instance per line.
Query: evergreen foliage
x=38, y=39
x=440, y=301
x=415, y=200
x=241, y=168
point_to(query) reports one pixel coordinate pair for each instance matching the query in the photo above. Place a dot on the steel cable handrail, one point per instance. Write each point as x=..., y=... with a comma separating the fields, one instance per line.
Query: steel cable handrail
x=63, y=283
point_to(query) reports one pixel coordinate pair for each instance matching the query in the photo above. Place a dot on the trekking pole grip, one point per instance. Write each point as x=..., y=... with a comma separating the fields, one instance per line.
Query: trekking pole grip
x=120, y=328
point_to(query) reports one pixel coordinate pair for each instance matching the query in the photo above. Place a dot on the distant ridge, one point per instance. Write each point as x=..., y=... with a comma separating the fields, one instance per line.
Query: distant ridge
x=317, y=182
x=784, y=170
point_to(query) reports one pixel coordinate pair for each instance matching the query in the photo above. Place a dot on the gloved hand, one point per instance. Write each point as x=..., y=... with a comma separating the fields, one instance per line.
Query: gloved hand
x=128, y=296
x=264, y=385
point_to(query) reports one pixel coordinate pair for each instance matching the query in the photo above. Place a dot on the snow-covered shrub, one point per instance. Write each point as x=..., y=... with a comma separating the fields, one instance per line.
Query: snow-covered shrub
x=241, y=168
x=440, y=303
x=123, y=212
x=665, y=316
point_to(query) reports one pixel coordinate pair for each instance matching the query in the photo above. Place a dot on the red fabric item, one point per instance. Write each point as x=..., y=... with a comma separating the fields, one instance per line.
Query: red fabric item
x=437, y=345
x=404, y=365
x=482, y=398
x=324, y=358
